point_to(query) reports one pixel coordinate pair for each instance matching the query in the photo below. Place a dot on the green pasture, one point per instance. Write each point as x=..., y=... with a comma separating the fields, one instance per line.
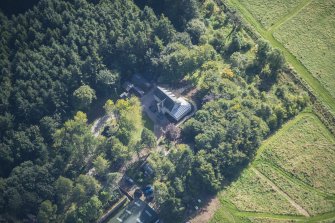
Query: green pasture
x=268, y=12
x=295, y=180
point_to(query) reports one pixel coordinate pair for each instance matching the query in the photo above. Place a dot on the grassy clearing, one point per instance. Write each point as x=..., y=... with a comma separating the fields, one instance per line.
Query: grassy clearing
x=308, y=152
x=310, y=37
x=268, y=12
x=229, y=213
x=250, y=193
x=302, y=168
x=311, y=201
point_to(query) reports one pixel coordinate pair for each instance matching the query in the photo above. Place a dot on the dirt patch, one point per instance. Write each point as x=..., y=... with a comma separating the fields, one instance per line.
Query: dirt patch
x=206, y=213
x=99, y=123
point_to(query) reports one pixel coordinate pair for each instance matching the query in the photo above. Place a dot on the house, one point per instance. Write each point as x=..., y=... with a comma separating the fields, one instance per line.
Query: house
x=136, y=211
x=169, y=104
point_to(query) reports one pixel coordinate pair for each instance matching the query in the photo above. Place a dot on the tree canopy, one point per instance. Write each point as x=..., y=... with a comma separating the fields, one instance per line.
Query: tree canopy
x=60, y=59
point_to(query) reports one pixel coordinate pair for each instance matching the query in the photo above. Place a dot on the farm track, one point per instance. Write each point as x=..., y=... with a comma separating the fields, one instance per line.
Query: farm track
x=278, y=169
x=299, y=208
x=296, y=181
x=232, y=212
x=318, y=89
x=288, y=16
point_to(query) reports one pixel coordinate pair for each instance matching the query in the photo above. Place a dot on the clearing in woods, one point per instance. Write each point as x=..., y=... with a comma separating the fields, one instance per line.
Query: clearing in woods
x=287, y=182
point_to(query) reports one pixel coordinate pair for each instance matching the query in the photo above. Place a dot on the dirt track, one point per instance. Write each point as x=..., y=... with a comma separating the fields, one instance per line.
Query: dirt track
x=300, y=209
x=207, y=212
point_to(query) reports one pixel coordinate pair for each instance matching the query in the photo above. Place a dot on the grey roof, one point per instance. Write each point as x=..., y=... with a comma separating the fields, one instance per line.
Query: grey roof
x=168, y=99
x=178, y=107
x=137, y=211
x=127, y=86
x=182, y=108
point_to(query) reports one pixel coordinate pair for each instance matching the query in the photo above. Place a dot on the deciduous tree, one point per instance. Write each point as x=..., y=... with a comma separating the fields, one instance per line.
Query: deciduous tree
x=84, y=96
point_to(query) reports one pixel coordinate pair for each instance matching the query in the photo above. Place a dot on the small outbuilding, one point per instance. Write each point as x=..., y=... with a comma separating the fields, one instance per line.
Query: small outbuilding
x=148, y=171
x=139, y=81
x=138, y=86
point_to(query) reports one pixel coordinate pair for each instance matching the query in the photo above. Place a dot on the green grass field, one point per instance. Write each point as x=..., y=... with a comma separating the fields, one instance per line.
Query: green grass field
x=313, y=201
x=310, y=37
x=307, y=154
x=290, y=180
x=268, y=12
x=250, y=192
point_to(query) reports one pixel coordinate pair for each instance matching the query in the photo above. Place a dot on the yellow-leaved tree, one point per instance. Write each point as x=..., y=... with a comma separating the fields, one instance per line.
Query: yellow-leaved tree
x=128, y=114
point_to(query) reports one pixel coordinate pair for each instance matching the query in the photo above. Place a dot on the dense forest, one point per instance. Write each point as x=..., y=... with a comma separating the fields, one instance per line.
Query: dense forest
x=10, y=7
x=60, y=57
